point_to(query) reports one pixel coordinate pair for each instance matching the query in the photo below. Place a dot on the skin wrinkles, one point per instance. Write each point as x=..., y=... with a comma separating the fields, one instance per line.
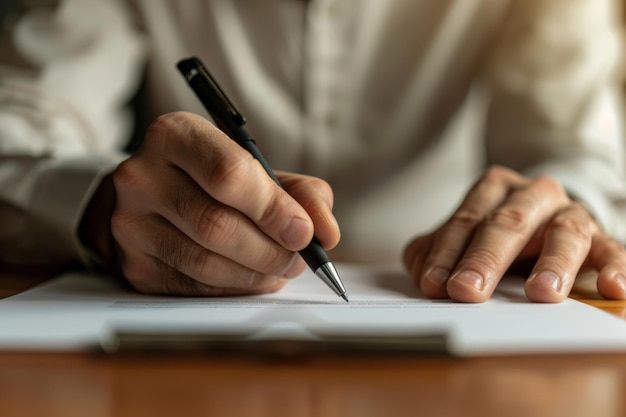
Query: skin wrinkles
x=223, y=239
x=197, y=215
x=508, y=219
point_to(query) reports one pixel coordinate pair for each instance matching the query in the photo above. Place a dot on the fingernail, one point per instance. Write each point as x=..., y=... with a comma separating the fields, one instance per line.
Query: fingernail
x=437, y=276
x=294, y=231
x=549, y=279
x=621, y=280
x=470, y=278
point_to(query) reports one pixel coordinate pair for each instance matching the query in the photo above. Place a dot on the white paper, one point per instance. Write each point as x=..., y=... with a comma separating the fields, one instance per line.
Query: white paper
x=76, y=311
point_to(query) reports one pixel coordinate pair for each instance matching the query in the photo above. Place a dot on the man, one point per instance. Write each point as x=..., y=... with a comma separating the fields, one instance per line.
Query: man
x=358, y=93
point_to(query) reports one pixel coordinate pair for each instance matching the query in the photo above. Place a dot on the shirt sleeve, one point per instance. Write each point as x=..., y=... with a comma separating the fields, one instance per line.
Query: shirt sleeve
x=555, y=78
x=66, y=76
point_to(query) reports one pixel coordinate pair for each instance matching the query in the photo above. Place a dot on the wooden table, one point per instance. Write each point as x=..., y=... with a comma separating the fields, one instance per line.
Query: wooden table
x=46, y=384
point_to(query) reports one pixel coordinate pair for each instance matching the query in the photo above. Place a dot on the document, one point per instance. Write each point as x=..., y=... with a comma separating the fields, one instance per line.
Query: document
x=79, y=311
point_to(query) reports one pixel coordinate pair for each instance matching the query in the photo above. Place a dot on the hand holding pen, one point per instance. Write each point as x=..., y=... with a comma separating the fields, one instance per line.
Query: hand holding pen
x=232, y=123
x=196, y=214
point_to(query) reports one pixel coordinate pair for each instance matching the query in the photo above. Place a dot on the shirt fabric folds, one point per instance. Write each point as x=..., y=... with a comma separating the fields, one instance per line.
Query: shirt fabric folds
x=398, y=104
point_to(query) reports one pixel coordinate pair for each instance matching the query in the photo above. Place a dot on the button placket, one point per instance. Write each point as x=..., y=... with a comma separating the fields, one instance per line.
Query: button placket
x=327, y=46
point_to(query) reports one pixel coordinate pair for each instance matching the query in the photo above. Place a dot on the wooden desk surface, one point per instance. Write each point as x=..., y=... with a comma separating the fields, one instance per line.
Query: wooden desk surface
x=45, y=384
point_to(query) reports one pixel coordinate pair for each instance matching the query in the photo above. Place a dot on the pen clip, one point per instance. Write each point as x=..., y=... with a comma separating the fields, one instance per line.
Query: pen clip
x=238, y=118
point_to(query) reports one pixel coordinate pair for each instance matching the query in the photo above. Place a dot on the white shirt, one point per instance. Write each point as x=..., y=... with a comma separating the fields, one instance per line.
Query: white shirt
x=397, y=103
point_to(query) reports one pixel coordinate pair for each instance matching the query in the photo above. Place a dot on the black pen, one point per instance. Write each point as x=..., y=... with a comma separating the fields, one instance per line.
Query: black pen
x=231, y=122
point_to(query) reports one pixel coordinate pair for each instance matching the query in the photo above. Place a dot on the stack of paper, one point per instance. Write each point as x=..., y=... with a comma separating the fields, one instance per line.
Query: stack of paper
x=386, y=312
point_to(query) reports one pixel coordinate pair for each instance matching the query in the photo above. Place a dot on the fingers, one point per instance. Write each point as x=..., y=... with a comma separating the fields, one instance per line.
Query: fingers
x=608, y=257
x=316, y=197
x=507, y=218
x=170, y=281
x=232, y=176
x=503, y=216
x=501, y=237
x=193, y=205
x=160, y=259
x=567, y=240
x=414, y=259
x=217, y=227
x=450, y=243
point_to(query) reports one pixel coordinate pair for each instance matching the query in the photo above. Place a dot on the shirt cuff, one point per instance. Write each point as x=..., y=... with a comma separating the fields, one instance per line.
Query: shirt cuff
x=64, y=191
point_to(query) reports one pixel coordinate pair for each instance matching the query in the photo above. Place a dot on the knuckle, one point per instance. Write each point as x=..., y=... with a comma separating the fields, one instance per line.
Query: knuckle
x=216, y=224
x=509, y=218
x=310, y=191
x=495, y=174
x=169, y=250
x=184, y=201
x=574, y=225
x=271, y=211
x=320, y=186
x=166, y=126
x=465, y=219
x=157, y=131
x=162, y=124
x=273, y=261
x=485, y=258
x=198, y=261
x=127, y=175
x=547, y=186
x=226, y=176
x=558, y=261
x=550, y=184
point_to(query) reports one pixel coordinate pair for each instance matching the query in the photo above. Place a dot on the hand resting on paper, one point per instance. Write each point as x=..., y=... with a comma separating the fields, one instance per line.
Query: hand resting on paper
x=196, y=214
x=507, y=218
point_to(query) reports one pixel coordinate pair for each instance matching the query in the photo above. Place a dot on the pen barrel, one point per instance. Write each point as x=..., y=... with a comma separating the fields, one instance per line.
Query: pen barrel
x=246, y=142
x=231, y=122
x=314, y=255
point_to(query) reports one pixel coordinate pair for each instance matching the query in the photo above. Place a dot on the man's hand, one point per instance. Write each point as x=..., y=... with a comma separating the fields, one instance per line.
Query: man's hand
x=506, y=218
x=196, y=214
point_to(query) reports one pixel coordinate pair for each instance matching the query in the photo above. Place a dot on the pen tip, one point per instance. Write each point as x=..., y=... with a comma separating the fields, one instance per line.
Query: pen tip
x=345, y=297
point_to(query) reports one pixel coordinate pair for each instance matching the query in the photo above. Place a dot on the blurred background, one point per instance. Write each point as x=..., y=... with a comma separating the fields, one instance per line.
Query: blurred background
x=458, y=148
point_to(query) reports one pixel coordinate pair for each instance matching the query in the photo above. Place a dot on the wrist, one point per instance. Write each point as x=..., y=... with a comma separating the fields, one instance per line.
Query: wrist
x=94, y=231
